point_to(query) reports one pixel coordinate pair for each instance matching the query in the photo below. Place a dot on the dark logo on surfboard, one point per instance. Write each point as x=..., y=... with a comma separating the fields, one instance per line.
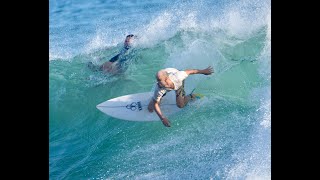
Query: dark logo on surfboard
x=134, y=106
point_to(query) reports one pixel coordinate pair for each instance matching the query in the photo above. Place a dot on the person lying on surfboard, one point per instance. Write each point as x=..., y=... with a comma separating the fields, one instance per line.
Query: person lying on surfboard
x=116, y=63
x=172, y=79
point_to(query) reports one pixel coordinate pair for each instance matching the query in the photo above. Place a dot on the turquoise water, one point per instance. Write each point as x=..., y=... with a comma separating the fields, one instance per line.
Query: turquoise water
x=224, y=136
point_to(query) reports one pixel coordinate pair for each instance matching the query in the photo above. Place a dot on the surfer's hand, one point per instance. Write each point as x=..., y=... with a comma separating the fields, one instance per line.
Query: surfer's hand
x=207, y=71
x=165, y=122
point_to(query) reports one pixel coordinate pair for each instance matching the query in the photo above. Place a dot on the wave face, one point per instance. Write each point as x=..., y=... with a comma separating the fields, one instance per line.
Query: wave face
x=227, y=135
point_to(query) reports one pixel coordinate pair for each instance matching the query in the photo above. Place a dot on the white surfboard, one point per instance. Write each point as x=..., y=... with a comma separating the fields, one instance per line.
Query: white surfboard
x=134, y=107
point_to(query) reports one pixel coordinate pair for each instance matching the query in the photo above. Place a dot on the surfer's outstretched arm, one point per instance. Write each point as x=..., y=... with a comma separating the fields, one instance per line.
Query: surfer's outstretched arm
x=207, y=71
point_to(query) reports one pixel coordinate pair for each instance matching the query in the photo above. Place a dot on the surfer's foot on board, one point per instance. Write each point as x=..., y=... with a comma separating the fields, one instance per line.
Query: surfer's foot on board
x=195, y=96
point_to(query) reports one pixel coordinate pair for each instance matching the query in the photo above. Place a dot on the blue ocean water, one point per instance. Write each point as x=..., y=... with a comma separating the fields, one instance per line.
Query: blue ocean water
x=227, y=135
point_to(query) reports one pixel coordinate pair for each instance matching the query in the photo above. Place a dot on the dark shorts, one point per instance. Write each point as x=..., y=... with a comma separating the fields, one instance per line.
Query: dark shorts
x=180, y=91
x=115, y=58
